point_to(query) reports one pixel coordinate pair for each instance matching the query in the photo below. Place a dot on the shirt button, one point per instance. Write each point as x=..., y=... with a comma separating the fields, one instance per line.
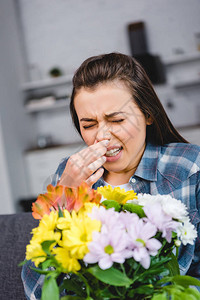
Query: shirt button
x=133, y=180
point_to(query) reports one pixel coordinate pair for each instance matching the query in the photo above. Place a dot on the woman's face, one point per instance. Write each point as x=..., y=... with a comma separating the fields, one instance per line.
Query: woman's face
x=109, y=112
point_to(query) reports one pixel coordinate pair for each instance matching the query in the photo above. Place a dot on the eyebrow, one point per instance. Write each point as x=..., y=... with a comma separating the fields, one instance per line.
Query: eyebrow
x=87, y=119
x=106, y=115
x=114, y=114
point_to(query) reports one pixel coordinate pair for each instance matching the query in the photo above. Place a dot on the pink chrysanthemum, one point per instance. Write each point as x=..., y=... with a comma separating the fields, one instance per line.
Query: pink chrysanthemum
x=108, y=247
x=161, y=220
x=142, y=242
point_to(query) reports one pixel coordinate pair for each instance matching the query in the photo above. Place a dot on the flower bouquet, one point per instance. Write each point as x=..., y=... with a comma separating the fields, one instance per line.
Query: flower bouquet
x=110, y=244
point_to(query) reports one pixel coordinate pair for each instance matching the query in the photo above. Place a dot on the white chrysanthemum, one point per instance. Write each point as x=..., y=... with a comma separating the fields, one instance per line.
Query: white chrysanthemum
x=171, y=206
x=175, y=208
x=187, y=232
x=145, y=198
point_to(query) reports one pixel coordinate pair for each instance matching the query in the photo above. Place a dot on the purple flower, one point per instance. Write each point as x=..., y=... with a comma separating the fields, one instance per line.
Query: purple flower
x=127, y=219
x=142, y=242
x=108, y=217
x=108, y=246
x=161, y=220
x=123, y=235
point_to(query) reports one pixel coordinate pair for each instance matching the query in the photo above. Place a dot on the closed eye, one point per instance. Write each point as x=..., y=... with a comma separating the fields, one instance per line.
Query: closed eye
x=117, y=121
x=88, y=126
x=112, y=121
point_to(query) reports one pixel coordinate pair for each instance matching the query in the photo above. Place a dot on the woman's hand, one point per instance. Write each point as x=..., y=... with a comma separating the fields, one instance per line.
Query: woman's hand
x=85, y=165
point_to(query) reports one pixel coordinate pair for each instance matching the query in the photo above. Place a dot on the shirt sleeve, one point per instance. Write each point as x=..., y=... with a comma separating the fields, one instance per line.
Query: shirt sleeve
x=59, y=171
x=194, y=269
x=32, y=282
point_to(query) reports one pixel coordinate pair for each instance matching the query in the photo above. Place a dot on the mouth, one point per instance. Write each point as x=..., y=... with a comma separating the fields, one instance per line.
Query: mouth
x=113, y=151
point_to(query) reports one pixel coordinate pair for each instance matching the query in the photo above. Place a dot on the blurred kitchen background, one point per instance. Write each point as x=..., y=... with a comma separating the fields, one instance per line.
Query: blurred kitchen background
x=41, y=45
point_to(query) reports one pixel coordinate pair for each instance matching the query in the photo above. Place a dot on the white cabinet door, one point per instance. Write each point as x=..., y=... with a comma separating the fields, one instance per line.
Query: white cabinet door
x=42, y=164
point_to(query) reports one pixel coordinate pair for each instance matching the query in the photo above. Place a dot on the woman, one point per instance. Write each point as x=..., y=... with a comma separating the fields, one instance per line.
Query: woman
x=130, y=141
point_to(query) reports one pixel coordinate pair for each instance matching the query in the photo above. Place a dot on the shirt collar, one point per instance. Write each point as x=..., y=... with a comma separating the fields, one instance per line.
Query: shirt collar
x=147, y=168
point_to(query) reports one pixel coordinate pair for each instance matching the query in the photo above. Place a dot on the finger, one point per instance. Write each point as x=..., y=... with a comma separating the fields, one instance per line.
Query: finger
x=91, y=153
x=94, y=177
x=98, y=149
x=94, y=166
x=68, y=180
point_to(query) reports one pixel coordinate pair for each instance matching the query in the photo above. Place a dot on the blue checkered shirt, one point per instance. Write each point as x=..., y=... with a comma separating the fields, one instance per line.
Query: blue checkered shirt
x=172, y=169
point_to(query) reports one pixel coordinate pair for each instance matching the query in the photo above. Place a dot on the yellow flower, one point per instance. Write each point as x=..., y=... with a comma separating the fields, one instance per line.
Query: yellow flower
x=79, y=235
x=46, y=229
x=50, y=221
x=45, y=235
x=117, y=194
x=87, y=208
x=65, y=221
x=35, y=253
x=68, y=263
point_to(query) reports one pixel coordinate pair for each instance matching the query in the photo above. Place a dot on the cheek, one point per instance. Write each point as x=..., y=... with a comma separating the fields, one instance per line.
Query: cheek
x=88, y=137
x=134, y=128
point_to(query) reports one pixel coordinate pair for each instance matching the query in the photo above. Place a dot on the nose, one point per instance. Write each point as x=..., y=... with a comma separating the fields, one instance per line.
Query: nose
x=103, y=133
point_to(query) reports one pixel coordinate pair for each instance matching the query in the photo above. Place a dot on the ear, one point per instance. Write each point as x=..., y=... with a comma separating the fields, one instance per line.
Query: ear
x=149, y=120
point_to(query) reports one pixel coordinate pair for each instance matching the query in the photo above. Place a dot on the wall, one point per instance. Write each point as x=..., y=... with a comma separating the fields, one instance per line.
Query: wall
x=16, y=128
x=65, y=32
x=6, y=201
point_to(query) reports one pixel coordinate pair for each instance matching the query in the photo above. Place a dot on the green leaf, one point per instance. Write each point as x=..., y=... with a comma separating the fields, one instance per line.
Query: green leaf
x=22, y=263
x=111, y=276
x=60, y=213
x=193, y=292
x=176, y=292
x=144, y=289
x=112, y=203
x=45, y=264
x=71, y=298
x=106, y=294
x=157, y=267
x=72, y=285
x=39, y=271
x=173, y=266
x=134, y=208
x=164, y=280
x=46, y=245
x=75, y=298
x=185, y=280
x=50, y=290
x=161, y=296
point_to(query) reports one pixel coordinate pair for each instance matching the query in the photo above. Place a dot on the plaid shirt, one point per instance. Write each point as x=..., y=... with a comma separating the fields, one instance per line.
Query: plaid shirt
x=172, y=169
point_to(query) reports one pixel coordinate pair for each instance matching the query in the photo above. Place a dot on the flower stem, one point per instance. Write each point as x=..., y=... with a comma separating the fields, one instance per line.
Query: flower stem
x=122, y=267
x=86, y=284
x=177, y=248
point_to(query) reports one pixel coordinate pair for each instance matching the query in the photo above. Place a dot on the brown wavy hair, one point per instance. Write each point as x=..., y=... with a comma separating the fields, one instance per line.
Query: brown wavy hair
x=108, y=67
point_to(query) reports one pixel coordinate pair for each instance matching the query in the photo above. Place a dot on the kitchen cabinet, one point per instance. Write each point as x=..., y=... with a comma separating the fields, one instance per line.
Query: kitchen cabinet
x=48, y=82
x=47, y=94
